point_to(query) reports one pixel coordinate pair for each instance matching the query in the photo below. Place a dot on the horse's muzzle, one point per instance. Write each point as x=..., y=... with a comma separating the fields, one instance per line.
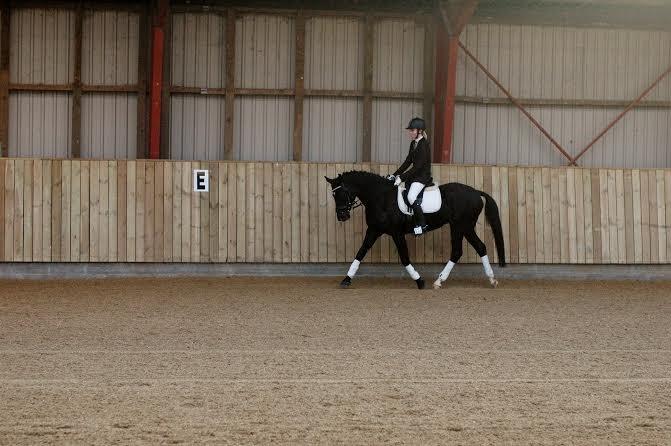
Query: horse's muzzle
x=343, y=215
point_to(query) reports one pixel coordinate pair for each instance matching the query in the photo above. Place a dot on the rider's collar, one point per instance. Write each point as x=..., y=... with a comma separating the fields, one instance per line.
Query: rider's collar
x=419, y=137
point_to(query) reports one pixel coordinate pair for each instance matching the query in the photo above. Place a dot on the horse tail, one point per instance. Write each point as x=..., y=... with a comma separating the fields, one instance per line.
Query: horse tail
x=492, y=215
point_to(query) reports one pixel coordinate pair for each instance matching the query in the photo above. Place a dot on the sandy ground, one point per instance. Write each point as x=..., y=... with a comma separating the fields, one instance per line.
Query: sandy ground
x=235, y=361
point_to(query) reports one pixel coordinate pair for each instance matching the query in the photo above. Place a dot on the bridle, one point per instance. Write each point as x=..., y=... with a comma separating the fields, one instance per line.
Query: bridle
x=352, y=201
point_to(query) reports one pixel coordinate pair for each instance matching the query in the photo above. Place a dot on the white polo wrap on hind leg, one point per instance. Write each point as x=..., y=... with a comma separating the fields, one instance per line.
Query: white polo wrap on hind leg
x=446, y=271
x=411, y=270
x=354, y=267
x=488, y=268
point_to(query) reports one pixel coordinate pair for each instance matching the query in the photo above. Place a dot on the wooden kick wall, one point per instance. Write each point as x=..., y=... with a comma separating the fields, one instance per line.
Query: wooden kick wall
x=146, y=211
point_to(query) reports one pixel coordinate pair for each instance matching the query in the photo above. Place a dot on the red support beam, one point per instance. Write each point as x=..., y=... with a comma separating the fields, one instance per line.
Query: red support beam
x=439, y=95
x=157, y=79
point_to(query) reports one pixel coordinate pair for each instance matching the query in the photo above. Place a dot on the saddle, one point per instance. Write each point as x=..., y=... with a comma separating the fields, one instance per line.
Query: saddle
x=431, y=200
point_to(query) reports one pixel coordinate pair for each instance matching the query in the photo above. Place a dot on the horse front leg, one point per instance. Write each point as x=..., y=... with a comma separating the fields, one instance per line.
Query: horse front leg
x=368, y=242
x=457, y=237
x=402, y=248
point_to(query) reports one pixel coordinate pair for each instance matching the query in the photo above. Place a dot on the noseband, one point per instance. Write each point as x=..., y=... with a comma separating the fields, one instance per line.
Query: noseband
x=352, y=201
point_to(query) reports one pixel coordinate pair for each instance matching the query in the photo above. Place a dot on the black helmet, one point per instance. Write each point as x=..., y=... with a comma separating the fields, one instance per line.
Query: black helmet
x=416, y=123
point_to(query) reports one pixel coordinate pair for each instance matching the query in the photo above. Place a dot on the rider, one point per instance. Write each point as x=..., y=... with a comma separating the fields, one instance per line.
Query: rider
x=419, y=175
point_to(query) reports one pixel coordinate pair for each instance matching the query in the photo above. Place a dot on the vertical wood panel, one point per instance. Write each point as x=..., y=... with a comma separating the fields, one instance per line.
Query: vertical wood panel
x=596, y=215
x=185, y=206
x=195, y=229
x=563, y=216
x=46, y=210
x=140, y=210
x=621, y=238
x=513, y=206
x=131, y=202
x=104, y=242
x=278, y=231
x=122, y=216
x=9, y=185
x=241, y=214
x=661, y=216
x=556, y=215
x=94, y=213
x=232, y=212
x=176, y=251
x=645, y=218
x=589, y=234
x=18, y=244
x=66, y=194
x=37, y=211
x=168, y=208
x=636, y=210
x=159, y=206
x=222, y=211
x=76, y=212
x=571, y=217
x=268, y=222
x=538, y=216
x=56, y=220
x=148, y=217
x=3, y=211
x=85, y=184
x=652, y=223
x=213, y=213
x=579, y=216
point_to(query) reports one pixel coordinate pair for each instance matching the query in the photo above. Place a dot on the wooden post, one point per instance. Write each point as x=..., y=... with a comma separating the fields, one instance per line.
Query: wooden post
x=4, y=80
x=450, y=91
x=164, y=150
x=300, y=87
x=369, y=44
x=229, y=111
x=440, y=83
x=158, y=50
x=77, y=85
x=428, y=76
x=142, y=67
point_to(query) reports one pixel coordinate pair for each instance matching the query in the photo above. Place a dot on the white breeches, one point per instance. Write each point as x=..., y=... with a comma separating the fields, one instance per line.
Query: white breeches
x=415, y=189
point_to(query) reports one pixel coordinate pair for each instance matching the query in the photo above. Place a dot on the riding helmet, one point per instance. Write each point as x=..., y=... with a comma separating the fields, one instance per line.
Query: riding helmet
x=416, y=123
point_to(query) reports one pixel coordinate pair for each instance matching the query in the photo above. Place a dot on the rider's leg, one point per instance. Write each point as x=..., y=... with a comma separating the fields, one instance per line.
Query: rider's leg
x=420, y=222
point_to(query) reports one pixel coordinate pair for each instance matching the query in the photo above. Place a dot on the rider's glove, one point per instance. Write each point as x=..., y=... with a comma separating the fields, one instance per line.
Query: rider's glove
x=397, y=181
x=391, y=177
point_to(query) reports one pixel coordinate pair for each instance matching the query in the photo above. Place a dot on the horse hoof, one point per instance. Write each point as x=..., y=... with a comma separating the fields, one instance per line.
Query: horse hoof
x=437, y=285
x=420, y=283
x=494, y=283
x=346, y=282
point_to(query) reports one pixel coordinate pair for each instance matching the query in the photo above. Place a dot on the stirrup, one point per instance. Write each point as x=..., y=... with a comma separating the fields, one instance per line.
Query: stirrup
x=419, y=230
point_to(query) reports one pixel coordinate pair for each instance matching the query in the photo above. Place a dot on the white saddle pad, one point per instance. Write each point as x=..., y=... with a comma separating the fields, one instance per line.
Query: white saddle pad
x=430, y=203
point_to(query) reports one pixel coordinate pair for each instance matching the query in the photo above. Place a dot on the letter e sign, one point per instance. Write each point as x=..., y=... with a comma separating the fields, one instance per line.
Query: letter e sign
x=201, y=180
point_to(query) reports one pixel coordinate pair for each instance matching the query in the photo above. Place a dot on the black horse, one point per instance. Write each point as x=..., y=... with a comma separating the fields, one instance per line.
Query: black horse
x=461, y=206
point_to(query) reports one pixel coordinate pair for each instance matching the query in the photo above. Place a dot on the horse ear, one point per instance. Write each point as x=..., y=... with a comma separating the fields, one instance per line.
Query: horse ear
x=328, y=179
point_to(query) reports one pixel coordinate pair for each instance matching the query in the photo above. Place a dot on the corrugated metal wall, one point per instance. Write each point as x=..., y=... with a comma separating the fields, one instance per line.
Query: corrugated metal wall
x=110, y=43
x=563, y=64
x=198, y=60
x=398, y=66
x=264, y=58
x=332, y=128
x=41, y=51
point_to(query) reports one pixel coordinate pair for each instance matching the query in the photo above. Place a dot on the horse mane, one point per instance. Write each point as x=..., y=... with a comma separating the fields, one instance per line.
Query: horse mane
x=368, y=179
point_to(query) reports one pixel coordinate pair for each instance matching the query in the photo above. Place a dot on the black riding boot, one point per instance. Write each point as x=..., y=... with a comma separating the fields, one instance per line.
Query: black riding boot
x=420, y=221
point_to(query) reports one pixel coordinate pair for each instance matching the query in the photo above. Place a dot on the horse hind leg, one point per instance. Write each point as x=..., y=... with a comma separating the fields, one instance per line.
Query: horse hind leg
x=481, y=249
x=457, y=251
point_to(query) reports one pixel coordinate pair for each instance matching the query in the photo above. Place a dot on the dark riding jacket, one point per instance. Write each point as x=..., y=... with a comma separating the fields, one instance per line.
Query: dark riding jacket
x=420, y=159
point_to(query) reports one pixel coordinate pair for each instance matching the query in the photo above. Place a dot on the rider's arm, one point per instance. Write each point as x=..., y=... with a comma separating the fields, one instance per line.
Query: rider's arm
x=422, y=157
x=404, y=166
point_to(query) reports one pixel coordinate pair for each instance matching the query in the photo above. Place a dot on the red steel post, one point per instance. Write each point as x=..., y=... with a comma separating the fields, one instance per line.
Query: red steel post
x=157, y=80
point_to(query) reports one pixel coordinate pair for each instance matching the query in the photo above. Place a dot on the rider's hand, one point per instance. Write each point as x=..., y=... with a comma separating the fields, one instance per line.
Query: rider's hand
x=391, y=177
x=397, y=181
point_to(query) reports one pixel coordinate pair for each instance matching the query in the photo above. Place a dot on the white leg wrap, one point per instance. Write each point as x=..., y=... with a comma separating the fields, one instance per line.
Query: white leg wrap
x=488, y=268
x=411, y=270
x=353, y=269
x=446, y=271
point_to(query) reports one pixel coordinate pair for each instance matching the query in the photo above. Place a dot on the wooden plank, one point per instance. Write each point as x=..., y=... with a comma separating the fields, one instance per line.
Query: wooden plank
x=580, y=215
x=168, y=223
x=661, y=216
x=587, y=197
x=104, y=242
x=332, y=242
x=230, y=86
x=242, y=212
x=504, y=209
x=620, y=219
x=286, y=203
x=629, y=217
x=522, y=218
x=131, y=204
x=341, y=245
x=645, y=218
x=548, y=229
x=612, y=216
x=538, y=215
x=140, y=210
x=76, y=129
x=313, y=194
x=304, y=221
x=667, y=201
x=94, y=213
x=5, y=34
x=250, y=202
x=556, y=215
x=513, y=220
x=605, y=224
x=196, y=197
x=299, y=70
x=3, y=211
x=222, y=211
x=37, y=211
x=46, y=210
x=9, y=186
x=204, y=219
x=66, y=194
x=232, y=211
x=76, y=212
x=17, y=254
x=27, y=210
x=278, y=232
x=56, y=218
x=158, y=223
x=596, y=215
x=571, y=220
x=213, y=210
x=268, y=221
x=149, y=211
x=258, y=213
x=176, y=251
x=637, y=214
x=85, y=215
x=368, y=60
x=122, y=218
x=652, y=200
x=563, y=216
x=186, y=194
x=322, y=197
x=113, y=211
